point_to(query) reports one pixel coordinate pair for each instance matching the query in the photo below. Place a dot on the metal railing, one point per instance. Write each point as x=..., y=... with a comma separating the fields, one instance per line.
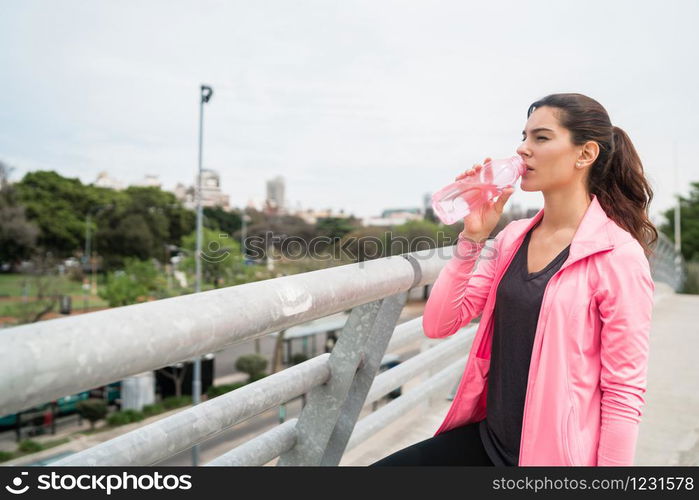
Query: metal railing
x=666, y=264
x=48, y=360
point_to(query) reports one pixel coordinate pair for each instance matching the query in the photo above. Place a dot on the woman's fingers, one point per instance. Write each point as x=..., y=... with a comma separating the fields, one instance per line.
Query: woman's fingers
x=477, y=167
x=502, y=199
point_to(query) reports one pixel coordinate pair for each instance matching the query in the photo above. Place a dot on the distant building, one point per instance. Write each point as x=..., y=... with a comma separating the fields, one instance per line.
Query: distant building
x=415, y=213
x=149, y=181
x=426, y=201
x=275, y=195
x=394, y=217
x=427, y=208
x=185, y=194
x=211, y=194
x=311, y=216
x=105, y=181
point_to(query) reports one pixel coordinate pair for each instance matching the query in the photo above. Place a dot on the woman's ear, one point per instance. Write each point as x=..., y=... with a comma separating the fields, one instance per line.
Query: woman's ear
x=588, y=154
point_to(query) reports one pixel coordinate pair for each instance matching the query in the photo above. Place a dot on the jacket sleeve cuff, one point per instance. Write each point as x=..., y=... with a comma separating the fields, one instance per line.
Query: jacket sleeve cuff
x=465, y=256
x=617, y=444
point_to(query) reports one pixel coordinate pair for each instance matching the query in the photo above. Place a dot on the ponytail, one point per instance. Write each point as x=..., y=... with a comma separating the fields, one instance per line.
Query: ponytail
x=623, y=190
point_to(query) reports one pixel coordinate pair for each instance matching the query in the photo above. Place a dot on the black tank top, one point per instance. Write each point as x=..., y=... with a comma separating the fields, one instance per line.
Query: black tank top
x=516, y=314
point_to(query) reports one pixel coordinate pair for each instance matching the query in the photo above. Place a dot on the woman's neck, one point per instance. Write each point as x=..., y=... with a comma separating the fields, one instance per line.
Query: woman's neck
x=563, y=210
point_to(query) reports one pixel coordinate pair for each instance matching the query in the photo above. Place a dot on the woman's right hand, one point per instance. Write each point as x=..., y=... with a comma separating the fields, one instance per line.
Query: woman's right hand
x=480, y=223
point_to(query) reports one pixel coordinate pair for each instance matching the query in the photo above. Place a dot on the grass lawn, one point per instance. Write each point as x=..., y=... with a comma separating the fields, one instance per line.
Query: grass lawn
x=5, y=455
x=12, y=285
x=12, y=293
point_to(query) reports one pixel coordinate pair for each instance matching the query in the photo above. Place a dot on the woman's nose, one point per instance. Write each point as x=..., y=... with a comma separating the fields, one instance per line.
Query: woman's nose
x=522, y=151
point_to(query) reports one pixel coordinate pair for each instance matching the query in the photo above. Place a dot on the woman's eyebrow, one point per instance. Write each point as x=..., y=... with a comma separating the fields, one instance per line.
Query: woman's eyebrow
x=540, y=129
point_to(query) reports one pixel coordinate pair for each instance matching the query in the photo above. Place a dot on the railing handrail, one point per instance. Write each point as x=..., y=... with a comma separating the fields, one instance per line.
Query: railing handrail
x=55, y=358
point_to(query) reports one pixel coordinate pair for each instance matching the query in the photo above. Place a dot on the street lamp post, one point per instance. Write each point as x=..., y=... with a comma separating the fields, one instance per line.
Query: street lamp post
x=243, y=236
x=205, y=94
x=86, y=261
x=678, y=234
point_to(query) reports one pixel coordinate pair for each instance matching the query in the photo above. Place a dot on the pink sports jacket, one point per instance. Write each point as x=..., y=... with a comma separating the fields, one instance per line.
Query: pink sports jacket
x=587, y=376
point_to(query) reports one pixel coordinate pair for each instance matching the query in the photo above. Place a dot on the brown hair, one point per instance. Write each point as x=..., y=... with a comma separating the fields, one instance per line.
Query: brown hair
x=616, y=177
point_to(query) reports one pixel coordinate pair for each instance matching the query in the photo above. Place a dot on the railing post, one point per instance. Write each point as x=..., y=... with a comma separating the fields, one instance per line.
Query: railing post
x=326, y=422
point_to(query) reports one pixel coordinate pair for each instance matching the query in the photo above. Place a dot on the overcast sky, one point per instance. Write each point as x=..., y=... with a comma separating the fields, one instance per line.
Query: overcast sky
x=360, y=105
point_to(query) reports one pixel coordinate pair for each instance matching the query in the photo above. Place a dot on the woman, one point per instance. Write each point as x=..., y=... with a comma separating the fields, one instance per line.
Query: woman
x=557, y=371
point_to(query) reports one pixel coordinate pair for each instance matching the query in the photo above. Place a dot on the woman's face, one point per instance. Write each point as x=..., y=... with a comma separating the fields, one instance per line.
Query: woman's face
x=549, y=153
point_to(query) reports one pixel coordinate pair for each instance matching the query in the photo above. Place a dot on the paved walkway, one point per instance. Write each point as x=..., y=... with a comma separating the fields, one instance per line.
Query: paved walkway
x=669, y=432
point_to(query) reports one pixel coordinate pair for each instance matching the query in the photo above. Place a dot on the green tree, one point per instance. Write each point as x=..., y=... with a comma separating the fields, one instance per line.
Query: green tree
x=222, y=260
x=47, y=285
x=137, y=222
x=217, y=218
x=141, y=223
x=421, y=235
x=335, y=227
x=252, y=364
x=138, y=281
x=278, y=226
x=58, y=206
x=17, y=235
x=689, y=224
x=363, y=244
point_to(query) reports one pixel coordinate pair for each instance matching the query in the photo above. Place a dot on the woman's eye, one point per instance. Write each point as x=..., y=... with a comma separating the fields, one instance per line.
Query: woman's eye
x=544, y=138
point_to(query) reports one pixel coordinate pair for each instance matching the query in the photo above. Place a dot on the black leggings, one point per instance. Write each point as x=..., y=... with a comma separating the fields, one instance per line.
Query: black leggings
x=459, y=446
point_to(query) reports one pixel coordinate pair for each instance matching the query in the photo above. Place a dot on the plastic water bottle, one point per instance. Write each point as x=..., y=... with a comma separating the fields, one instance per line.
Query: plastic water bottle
x=455, y=201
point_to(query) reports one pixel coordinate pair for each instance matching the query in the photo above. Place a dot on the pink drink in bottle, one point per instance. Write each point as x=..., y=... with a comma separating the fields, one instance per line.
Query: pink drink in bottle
x=457, y=200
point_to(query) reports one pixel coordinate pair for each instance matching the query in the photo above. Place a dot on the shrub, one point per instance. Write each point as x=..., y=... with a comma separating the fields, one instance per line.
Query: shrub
x=215, y=391
x=691, y=284
x=257, y=377
x=176, y=401
x=134, y=415
x=252, y=364
x=29, y=446
x=118, y=418
x=297, y=358
x=92, y=409
x=154, y=409
x=6, y=455
x=125, y=417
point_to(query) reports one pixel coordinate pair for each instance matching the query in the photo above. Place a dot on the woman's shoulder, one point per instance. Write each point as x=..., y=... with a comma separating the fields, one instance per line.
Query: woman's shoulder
x=626, y=258
x=624, y=244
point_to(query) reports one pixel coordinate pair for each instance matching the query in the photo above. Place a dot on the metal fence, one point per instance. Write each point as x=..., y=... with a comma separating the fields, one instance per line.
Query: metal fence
x=667, y=265
x=51, y=359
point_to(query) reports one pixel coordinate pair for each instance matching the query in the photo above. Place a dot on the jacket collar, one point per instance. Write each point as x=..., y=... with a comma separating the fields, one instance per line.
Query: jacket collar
x=591, y=236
